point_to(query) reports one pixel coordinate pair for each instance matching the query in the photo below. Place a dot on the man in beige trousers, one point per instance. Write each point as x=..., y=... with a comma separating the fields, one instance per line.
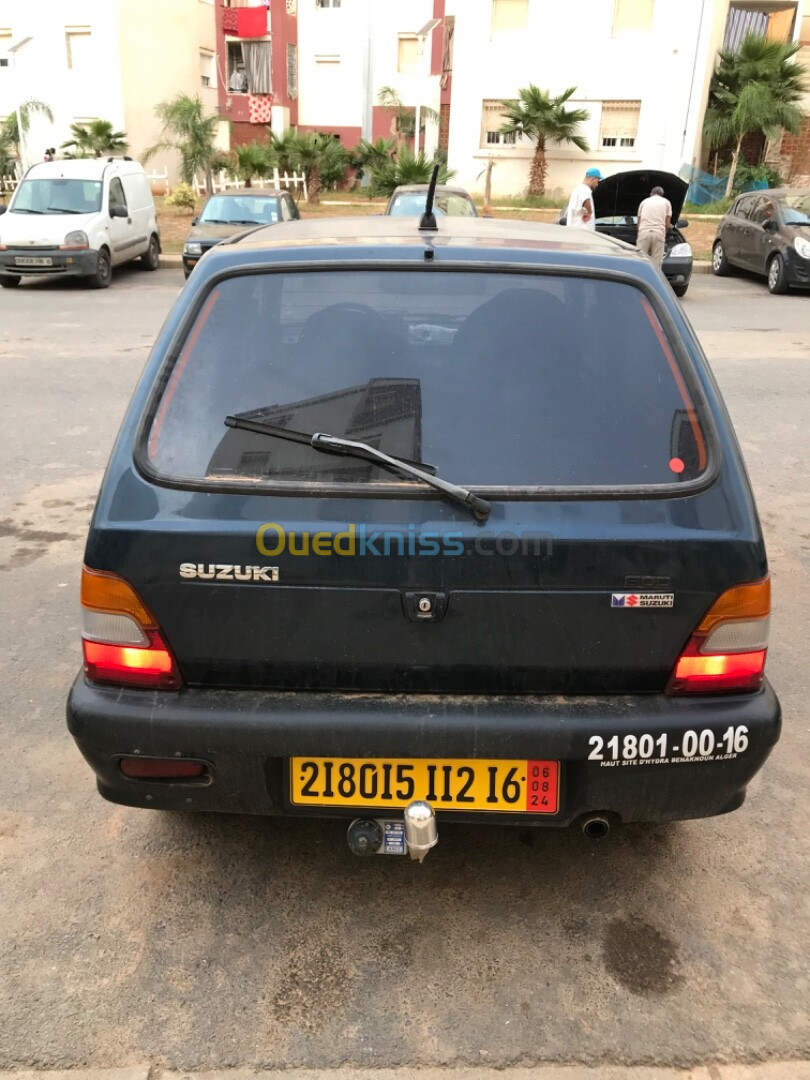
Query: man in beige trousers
x=654, y=220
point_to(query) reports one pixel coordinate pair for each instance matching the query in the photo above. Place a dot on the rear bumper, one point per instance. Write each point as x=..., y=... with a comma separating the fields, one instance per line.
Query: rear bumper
x=246, y=736
x=63, y=263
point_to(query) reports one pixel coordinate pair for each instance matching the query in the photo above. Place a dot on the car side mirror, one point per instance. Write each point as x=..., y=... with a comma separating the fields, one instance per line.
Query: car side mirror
x=3, y=208
x=682, y=223
x=770, y=225
x=119, y=211
x=194, y=220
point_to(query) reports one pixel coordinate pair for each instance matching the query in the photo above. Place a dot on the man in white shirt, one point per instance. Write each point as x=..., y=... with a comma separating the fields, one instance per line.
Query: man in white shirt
x=654, y=220
x=579, y=212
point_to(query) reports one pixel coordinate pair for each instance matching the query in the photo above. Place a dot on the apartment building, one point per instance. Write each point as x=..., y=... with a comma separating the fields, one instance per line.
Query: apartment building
x=105, y=59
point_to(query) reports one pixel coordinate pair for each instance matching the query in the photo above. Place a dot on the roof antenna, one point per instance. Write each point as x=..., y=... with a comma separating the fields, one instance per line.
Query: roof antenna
x=427, y=223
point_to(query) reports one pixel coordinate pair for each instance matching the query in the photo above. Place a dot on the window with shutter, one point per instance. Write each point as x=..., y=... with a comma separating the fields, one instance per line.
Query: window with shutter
x=619, y=127
x=492, y=120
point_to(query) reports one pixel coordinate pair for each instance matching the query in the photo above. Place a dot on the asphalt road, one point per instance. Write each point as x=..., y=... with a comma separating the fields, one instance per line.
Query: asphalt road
x=128, y=936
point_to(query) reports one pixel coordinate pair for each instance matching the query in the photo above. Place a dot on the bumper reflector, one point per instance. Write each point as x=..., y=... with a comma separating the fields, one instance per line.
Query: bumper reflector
x=161, y=768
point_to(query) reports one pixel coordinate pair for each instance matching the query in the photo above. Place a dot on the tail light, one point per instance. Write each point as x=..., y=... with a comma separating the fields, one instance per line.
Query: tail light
x=122, y=641
x=726, y=652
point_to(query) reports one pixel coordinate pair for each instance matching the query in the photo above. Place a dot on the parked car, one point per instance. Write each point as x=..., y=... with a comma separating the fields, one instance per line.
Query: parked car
x=231, y=212
x=404, y=523
x=78, y=219
x=616, y=201
x=409, y=200
x=767, y=232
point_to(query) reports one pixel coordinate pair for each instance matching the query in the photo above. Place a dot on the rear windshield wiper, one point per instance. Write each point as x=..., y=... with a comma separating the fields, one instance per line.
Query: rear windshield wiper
x=331, y=444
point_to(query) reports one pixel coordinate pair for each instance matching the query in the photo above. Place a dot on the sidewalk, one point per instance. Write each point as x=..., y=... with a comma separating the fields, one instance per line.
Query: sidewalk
x=786, y=1070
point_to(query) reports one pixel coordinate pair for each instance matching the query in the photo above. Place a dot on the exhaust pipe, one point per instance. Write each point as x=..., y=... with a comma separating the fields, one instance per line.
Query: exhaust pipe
x=595, y=827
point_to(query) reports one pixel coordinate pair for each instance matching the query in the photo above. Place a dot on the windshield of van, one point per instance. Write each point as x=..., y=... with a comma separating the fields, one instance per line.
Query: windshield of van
x=495, y=379
x=243, y=210
x=57, y=196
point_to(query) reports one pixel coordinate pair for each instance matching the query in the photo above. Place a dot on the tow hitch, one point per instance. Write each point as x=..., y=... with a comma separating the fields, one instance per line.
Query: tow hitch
x=414, y=834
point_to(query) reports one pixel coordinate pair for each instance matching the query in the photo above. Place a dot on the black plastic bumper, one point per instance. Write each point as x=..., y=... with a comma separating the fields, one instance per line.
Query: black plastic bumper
x=63, y=263
x=246, y=736
x=798, y=269
x=677, y=271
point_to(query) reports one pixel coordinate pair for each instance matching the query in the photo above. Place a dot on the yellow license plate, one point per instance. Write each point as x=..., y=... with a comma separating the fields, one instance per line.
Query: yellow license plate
x=512, y=787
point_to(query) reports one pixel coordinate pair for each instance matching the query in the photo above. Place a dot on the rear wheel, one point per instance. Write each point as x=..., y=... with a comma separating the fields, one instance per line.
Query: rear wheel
x=150, y=260
x=720, y=264
x=777, y=275
x=9, y=281
x=103, y=275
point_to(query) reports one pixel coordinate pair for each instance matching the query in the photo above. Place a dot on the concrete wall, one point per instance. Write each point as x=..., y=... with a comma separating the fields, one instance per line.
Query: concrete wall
x=89, y=91
x=159, y=46
x=572, y=44
x=341, y=95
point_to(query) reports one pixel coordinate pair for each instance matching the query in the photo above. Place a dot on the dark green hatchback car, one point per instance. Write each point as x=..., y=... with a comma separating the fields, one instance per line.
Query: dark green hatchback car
x=412, y=522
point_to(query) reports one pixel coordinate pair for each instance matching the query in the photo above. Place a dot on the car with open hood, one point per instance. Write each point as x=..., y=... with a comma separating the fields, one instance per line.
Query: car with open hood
x=616, y=201
x=228, y=213
x=768, y=233
x=418, y=521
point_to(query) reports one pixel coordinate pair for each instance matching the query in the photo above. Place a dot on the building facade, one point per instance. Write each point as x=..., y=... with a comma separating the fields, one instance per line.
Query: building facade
x=113, y=60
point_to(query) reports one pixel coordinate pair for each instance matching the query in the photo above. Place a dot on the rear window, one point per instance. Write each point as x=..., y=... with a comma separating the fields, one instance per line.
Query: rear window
x=497, y=380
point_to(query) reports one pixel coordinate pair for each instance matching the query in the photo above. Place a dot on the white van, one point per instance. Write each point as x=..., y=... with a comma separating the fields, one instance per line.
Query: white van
x=78, y=218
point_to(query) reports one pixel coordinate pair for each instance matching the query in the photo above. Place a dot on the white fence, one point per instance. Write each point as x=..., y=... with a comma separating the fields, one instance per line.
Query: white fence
x=224, y=182
x=161, y=180
x=8, y=184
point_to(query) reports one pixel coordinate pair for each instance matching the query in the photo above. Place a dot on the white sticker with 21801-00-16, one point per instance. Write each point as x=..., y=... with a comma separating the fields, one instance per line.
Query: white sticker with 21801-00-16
x=687, y=748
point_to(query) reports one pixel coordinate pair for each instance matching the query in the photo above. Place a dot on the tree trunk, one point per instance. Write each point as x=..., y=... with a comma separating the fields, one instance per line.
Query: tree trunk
x=314, y=185
x=248, y=182
x=486, y=210
x=732, y=172
x=209, y=179
x=537, y=173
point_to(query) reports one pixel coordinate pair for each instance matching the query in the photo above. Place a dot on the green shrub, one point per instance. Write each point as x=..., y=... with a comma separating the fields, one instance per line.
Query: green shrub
x=407, y=168
x=183, y=196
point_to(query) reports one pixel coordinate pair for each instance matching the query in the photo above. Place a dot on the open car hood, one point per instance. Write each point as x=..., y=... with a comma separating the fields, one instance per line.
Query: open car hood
x=621, y=193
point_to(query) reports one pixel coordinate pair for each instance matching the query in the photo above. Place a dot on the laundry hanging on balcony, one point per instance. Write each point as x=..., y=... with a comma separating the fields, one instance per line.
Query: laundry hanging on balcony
x=260, y=108
x=256, y=55
x=230, y=21
x=251, y=22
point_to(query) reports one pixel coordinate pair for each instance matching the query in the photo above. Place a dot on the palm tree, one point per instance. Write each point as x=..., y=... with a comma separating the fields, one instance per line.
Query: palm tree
x=408, y=168
x=753, y=90
x=10, y=131
x=252, y=159
x=319, y=157
x=543, y=118
x=94, y=139
x=191, y=133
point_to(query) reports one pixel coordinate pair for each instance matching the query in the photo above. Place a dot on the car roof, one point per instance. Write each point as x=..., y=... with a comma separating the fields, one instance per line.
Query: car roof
x=441, y=189
x=778, y=193
x=82, y=168
x=251, y=193
x=383, y=232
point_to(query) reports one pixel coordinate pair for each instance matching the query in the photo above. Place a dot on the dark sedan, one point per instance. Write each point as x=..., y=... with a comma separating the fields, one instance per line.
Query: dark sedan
x=231, y=212
x=767, y=232
x=616, y=201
